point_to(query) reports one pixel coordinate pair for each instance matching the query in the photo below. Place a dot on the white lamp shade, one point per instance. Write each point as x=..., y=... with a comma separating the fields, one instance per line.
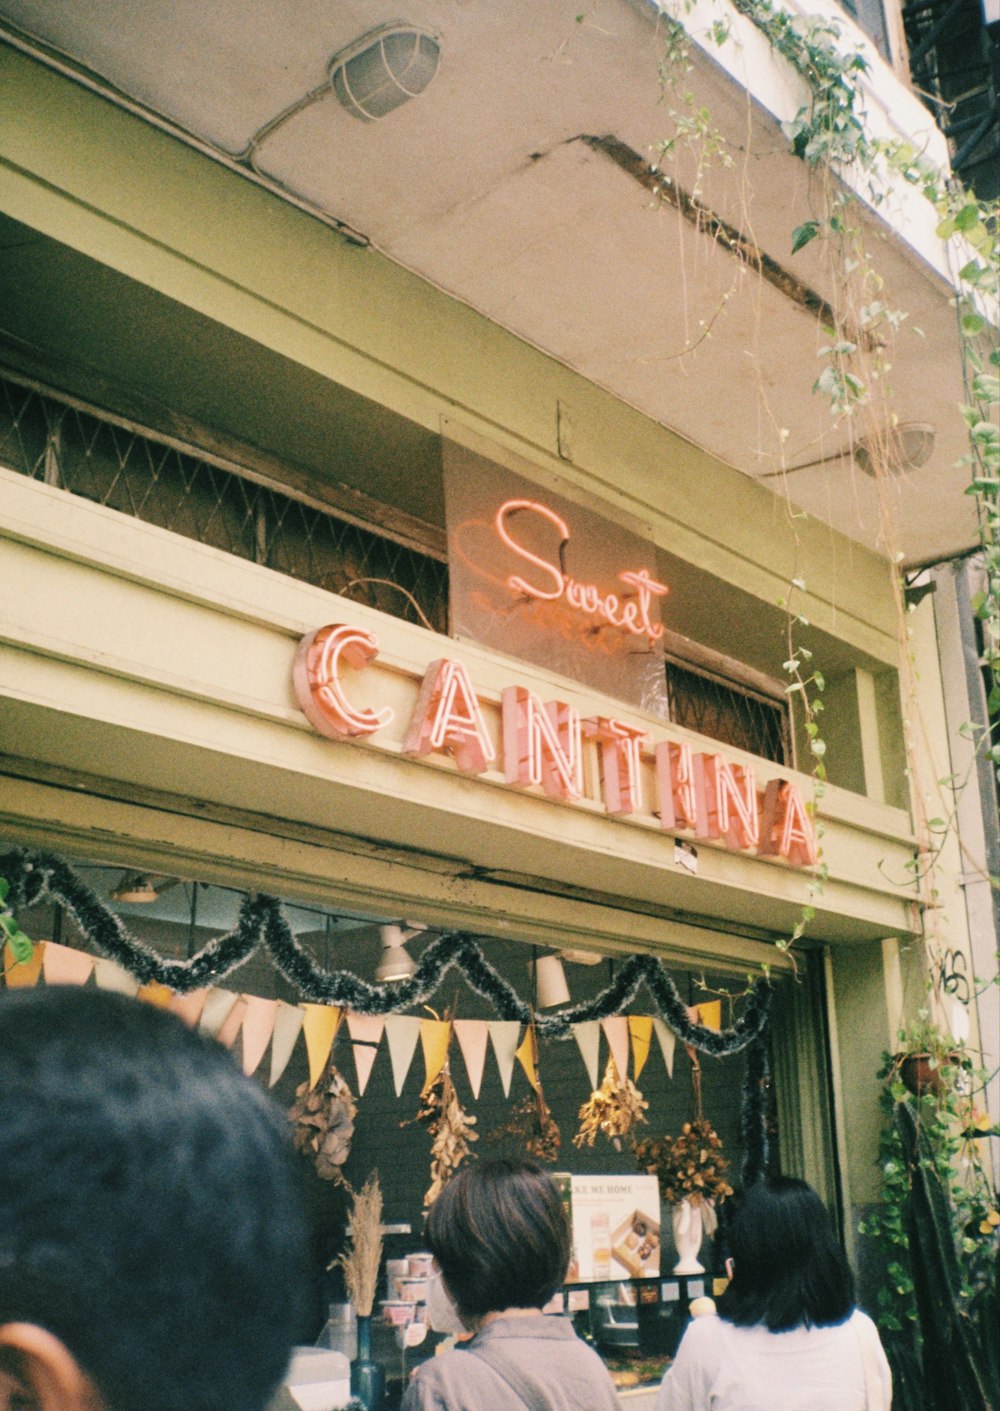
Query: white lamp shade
x=550, y=982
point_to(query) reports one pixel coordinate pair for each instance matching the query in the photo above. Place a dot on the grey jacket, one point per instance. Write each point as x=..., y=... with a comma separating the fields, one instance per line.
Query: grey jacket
x=569, y=1374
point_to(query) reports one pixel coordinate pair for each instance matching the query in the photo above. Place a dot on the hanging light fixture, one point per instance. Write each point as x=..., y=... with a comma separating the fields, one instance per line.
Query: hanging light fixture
x=551, y=988
x=139, y=889
x=396, y=963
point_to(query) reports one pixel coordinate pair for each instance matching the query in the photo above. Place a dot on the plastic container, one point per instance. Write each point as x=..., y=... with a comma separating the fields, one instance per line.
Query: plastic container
x=340, y=1331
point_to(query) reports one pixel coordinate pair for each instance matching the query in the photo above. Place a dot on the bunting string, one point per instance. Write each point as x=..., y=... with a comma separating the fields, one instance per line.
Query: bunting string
x=37, y=876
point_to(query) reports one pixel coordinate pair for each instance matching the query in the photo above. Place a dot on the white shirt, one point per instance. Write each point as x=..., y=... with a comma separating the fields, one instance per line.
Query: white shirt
x=720, y=1367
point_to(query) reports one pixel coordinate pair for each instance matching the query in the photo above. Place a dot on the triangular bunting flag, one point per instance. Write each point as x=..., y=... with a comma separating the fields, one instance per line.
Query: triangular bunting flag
x=234, y=1022
x=710, y=1014
x=188, y=1007
x=320, y=1025
x=366, y=1035
x=668, y=1042
x=287, y=1028
x=215, y=1010
x=473, y=1035
x=156, y=994
x=22, y=974
x=62, y=965
x=527, y=1056
x=402, y=1032
x=258, y=1026
x=505, y=1034
x=434, y=1036
x=110, y=976
x=588, y=1039
x=616, y=1032
x=640, y=1028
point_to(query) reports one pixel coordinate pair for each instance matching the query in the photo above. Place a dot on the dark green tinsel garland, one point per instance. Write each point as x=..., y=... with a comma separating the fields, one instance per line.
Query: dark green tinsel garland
x=33, y=877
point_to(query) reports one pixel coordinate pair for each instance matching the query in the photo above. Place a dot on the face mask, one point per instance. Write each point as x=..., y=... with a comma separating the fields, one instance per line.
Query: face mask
x=441, y=1312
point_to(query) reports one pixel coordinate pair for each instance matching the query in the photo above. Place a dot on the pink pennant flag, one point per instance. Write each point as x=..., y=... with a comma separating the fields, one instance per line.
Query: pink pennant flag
x=402, y=1033
x=287, y=1028
x=505, y=1034
x=616, y=1032
x=188, y=1007
x=61, y=965
x=473, y=1035
x=668, y=1042
x=366, y=1034
x=234, y=1022
x=258, y=1025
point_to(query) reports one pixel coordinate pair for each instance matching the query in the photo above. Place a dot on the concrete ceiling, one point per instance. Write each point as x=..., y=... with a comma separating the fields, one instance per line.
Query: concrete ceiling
x=493, y=187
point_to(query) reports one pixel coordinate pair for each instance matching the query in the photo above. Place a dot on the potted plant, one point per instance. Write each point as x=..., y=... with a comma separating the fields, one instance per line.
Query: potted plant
x=924, y=1056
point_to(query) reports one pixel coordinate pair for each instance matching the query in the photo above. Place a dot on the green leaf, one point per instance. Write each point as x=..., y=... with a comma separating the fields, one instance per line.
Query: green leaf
x=4, y=888
x=973, y=324
x=802, y=234
x=7, y=924
x=967, y=217
x=22, y=948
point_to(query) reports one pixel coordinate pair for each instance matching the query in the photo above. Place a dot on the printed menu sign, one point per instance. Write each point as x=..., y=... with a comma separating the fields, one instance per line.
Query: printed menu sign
x=615, y=1222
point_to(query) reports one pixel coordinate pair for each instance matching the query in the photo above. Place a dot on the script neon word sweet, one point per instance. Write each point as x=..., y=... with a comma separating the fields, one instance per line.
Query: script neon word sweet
x=695, y=791
x=631, y=612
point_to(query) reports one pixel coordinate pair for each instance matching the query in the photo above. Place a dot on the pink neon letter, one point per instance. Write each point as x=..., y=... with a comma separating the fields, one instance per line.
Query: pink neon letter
x=316, y=678
x=533, y=751
x=732, y=800
x=447, y=717
x=516, y=584
x=786, y=829
x=620, y=754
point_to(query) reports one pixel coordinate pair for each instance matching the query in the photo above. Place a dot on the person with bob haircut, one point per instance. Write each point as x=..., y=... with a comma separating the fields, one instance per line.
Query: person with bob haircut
x=499, y=1235
x=152, y=1240
x=788, y=1336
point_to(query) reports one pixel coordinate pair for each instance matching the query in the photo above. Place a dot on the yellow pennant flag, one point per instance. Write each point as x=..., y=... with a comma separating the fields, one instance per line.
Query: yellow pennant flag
x=710, y=1014
x=434, y=1037
x=640, y=1028
x=20, y=974
x=156, y=994
x=320, y=1027
x=527, y=1056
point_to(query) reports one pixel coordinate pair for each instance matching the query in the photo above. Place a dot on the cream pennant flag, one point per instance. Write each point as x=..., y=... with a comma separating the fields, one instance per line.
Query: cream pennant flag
x=434, y=1036
x=22, y=974
x=156, y=994
x=188, y=1007
x=668, y=1042
x=287, y=1028
x=527, y=1056
x=110, y=976
x=215, y=1010
x=234, y=1022
x=258, y=1026
x=473, y=1035
x=640, y=1028
x=320, y=1024
x=402, y=1033
x=588, y=1041
x=366, y=1035
x=616, y=1032
x=505, y=1034
x=62, y=965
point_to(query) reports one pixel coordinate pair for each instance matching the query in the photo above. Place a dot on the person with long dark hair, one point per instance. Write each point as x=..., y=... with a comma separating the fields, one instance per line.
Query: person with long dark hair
x=500, y=1238
x=789, y=1335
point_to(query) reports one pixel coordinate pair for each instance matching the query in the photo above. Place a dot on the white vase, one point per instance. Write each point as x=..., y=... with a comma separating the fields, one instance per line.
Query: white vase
x=687, y=1226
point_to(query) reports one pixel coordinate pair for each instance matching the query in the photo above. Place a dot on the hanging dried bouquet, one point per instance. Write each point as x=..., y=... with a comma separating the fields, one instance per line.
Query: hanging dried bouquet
x=690, y=1166
x=613, y=1110
x=323, y=1119
x=450, y=1127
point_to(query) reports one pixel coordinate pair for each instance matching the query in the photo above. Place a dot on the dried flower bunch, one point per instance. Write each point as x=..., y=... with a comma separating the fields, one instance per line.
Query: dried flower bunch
x=689, y=1166
x=362, y=1259
x=323, y=1118
x=613, y=1109
x=530, y=1123
x=450, y=1127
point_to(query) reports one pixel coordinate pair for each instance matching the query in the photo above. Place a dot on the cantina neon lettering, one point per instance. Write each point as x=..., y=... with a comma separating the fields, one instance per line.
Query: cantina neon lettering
x=699, y=792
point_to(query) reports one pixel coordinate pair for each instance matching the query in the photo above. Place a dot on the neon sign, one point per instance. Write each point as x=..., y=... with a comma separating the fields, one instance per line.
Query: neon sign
x=630, y=612
x=700, y=792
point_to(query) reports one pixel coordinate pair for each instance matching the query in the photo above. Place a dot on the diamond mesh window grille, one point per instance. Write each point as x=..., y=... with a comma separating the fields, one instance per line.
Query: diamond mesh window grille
x=134, y=472
x=731, y=714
